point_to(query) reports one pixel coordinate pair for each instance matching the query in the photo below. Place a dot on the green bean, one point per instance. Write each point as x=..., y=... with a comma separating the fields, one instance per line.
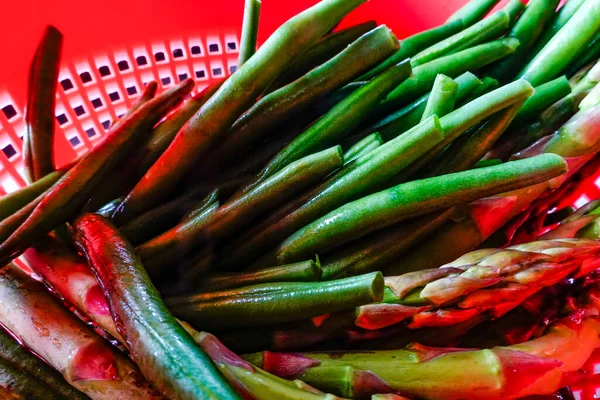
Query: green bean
x=279, y=106
x=410, y=115
x=18, y=385
x=303, y=271
x=146, y=96
x=442, y=97
x=463, y=155
x=160, y=219
x=358, y=218
x=337, y=122
x=564, y=46
x=365, y=150
x=414, y=44
x=12, y=202
x=166, y=355
x=65, y=199
x=527, y=29
x=481, y=32
x=322, y=51
x=13, y=355
x=473, y=11
x=354, y=151
x=487, y=85
x=38, y=141
x=487, y=163
x=356, y=179
x=325, y=104
x=591, y=100
x=452, y=66
x=545, y=95
x=234, y=97
x=276, y=302
x=380, y=249
x=468, y=116
x=249, y=31
x=514, y=8
x=145, y=154
x=588, y=54
x=161, y=251
x=560, y=19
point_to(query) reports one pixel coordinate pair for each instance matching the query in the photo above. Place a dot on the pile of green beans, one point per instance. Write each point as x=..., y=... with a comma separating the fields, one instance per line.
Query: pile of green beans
x=268, y=206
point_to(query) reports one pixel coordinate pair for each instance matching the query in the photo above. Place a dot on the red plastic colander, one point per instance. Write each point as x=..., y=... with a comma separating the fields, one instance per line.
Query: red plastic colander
x=112, y=48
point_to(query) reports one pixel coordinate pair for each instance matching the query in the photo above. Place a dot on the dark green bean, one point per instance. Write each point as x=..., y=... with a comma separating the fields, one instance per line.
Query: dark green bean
x=276, y=302
x=249, y=31
x=38, y=141
x=233, y=98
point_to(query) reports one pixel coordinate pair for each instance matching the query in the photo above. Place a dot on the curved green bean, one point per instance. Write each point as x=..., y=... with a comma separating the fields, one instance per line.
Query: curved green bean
x=249, y=31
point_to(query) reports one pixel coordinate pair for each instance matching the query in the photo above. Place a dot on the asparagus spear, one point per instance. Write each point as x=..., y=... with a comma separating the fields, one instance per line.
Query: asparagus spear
x=578, y=140
x=234, y=97
x=38, y=141
x=535, y=367
x=249, y=31
x=165, y=353
x=87, y=361
x=253, y=382
x=68, y=275
x=539, y=366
